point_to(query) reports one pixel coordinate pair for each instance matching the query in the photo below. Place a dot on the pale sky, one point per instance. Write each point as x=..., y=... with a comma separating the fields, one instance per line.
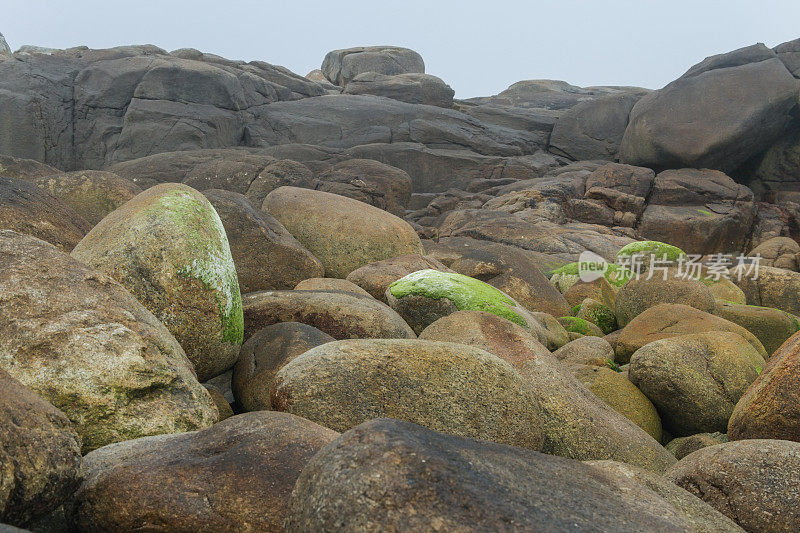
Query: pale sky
x=478, y=47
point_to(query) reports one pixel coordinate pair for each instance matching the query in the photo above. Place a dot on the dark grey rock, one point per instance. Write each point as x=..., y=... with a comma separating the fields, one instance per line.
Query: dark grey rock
x=341, y=66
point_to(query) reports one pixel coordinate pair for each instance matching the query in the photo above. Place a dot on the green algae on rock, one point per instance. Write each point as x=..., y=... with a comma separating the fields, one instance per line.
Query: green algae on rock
x=168, y=247
x=464, y=293
x=648, y=248
x=568, y=275
x=579, y=325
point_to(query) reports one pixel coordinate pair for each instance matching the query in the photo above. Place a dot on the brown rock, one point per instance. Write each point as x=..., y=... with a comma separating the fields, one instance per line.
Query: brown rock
x=264, y=354
x=344, y=234
x=638, y=295
x=331, y=285
x=27, y=209
x=24, y=169
x=390, y=475
x=81, y=341
x=92, y=193
x=368, y=181
x=340, y=315
x=40, y=454
x=235, y=476
x=683, y=446
x=753, y=482
x=770, y=408
x=670, y=320
x=266, y=255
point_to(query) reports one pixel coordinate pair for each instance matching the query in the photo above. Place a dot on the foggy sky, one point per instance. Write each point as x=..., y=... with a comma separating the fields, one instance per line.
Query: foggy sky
x=479, y=48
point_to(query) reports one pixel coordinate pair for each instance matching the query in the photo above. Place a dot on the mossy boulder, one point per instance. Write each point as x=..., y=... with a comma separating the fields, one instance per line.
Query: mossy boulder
x=620, y=394
x=344, y=234
x=724, y=289
x=599, y=289
x=568, y=275
x=376, y=277
x=598, y=314
x=695, y=380
x=670, y=320
x=448, y=387
x=168, y=247
x=579, y=325
x=771, y=326
x=647, y=250
x=424, y=296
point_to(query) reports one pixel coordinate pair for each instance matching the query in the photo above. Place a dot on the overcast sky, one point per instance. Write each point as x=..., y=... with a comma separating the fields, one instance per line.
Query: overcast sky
x=478, y=47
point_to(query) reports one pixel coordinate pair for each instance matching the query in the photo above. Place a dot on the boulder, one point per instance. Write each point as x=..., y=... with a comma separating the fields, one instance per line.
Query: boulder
x=588, y=350
x=770, y=408
x=695, y=380
x=235, y=476
x=514, y=271
x=772, y=327
x=5, y=50
x=376, y=277
x=342, y=233
x=24, y=169
x=665, y=321
x=340, y=315
x=368, y=181
x=25, y=208
x=597, y=314
x=641, y=294
x=496, y=335
x=580, y=326
x=92, y=193
x=699, y=210
x=779, y=252
x=593, y=129
x=264, y=354
x=169, y=248
x=40, y=454
x=576, y=423
x=761, y=498
x=220, y=401
x=266, y=255
x=331, y=285
x=425, y=296
x=81, y=341
x=391, y=475
x=344, y=383
x=341, y=66
x=414, y=88
x=616, y=390
x=769, y=287
x=683, y=446
x=718, y=115
x=701, y=516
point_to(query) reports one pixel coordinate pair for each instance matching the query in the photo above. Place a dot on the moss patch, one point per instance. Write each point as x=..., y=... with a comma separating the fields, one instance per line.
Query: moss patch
x=615, y=274
x=656, y=248
x=210, y=260
x=576, y=325
x=465, y=292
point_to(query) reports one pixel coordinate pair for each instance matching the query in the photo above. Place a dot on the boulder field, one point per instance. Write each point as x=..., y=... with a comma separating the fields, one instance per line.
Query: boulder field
x=234, y=298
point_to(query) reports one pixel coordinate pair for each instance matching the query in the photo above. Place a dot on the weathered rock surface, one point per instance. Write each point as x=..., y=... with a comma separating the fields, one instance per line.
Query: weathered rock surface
x=168, y=247
x=702, y=516
x=237, y=475
x=92, y=193
x=412, y=88
x=376, y=277
x=340, y=315
x=770, y=408
x=683, y=446
x=266, y=255
x=670, y=320
x=342, y=233
x=344, y=383
x=40, y=454
x=780, y=252
x=771, y=326
x=368, y=181
x=25, y=208
x=701, y=121
x=395, y=475
x=641, y=294
x=760, y=498
x=696, y=380
x=81, y=341
x=264, y=354
x=24, y=169
x=331, y=285
x=772, y=287
x=341, y=66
